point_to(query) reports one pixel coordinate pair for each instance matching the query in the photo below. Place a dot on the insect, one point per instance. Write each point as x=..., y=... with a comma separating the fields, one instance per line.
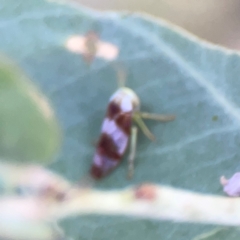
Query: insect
x=118, y=129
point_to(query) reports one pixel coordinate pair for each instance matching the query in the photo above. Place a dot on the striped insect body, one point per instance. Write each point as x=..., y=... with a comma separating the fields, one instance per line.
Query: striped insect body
x=118, y=131
x=115, y=132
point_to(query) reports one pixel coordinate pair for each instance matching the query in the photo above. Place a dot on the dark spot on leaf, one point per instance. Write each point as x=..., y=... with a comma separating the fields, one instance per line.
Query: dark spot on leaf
x=215, y=118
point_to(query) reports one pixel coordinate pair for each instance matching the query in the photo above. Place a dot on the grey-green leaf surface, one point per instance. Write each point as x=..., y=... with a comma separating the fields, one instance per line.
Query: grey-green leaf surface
x=28, y=129
x=170, y=70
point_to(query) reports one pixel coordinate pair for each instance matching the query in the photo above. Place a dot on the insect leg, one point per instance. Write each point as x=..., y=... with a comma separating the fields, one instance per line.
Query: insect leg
x=132, y=154
x=137, y=118
x=157, y=117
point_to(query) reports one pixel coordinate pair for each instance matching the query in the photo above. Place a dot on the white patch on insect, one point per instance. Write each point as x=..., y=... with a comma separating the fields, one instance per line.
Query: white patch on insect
x=118, y=136
x=126, y=99
x=126, y=104
x=97, y=160
x=104, y=163
x=109, y=126
x=121, y=141
x=108, y=164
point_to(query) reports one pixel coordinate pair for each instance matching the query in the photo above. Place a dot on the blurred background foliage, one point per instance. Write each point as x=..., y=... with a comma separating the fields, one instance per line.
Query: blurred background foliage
x=214, y=20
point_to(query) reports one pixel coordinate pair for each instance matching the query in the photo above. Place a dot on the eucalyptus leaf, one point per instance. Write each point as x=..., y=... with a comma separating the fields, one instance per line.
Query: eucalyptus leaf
x=170, y=70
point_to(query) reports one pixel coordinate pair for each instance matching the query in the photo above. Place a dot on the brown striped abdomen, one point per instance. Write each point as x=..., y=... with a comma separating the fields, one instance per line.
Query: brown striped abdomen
x=115, y=132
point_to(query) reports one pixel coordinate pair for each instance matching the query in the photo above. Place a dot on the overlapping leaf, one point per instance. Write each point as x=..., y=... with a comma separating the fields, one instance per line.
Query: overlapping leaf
x=28, y=130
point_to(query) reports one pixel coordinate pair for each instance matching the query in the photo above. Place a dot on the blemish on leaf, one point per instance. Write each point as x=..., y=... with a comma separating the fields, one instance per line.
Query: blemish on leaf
x=215, y=118
x=146, y=192
x=91, y=46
